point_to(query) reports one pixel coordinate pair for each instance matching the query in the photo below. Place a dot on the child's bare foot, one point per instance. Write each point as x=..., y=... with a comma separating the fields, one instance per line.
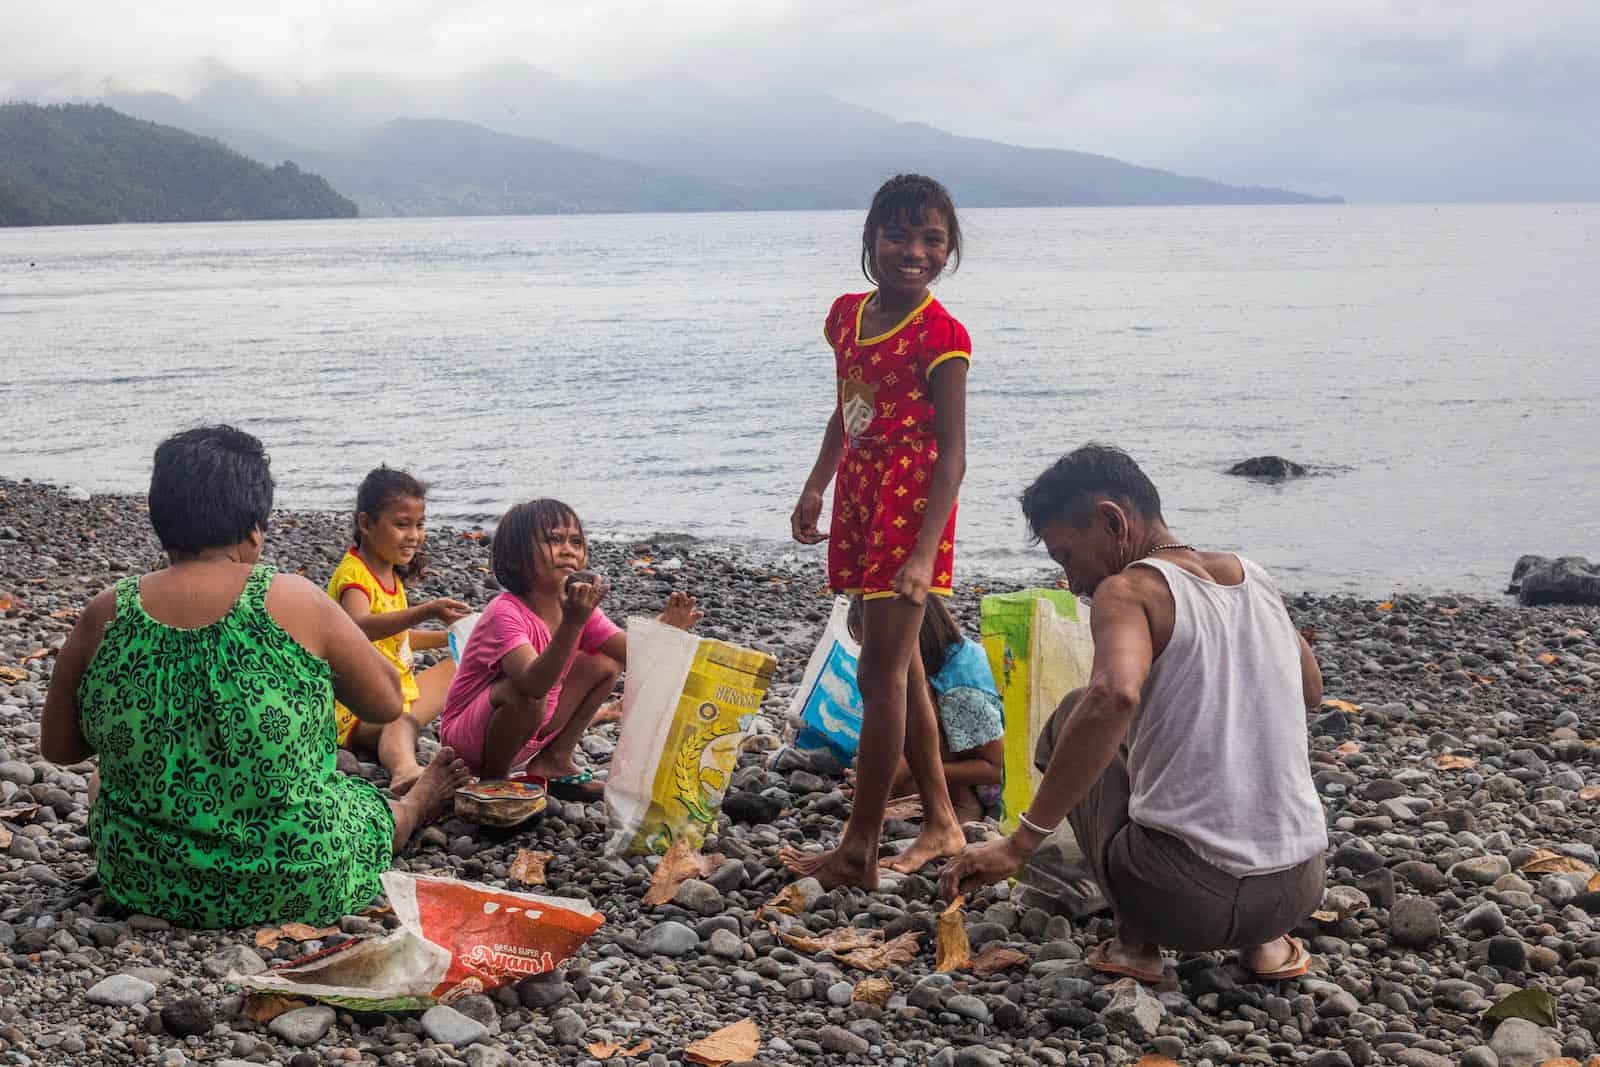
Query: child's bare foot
x=431, y=797
x=930, y=845
x=831, y=869
x=610, y=711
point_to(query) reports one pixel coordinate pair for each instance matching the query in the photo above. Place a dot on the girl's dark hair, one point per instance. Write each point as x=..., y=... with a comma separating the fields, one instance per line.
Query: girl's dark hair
x=381, y=487
x=907, y=198
x=940, y=630
x=518, y=538
x=209, y=487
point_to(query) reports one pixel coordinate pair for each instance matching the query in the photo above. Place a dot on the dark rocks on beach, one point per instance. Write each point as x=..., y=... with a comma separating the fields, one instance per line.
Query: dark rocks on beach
x=1274, y=468
x=1565, y=580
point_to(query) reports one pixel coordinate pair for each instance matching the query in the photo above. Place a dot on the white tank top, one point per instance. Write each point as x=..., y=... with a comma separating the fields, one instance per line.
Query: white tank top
x=1217, y=755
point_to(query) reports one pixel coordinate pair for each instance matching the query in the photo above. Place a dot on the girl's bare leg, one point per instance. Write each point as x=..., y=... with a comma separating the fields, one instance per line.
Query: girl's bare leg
x=430, y=797
x=941, y=831
x=397, y=741
x=888, y=645
x=587, y=686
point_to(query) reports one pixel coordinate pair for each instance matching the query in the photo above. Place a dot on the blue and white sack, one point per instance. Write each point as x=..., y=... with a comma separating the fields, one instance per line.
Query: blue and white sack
x=828, y=701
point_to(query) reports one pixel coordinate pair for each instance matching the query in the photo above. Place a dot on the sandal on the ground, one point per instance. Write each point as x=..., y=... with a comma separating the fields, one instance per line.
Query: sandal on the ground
x=1099, y=959
x=582, y=786
x=1298, y=964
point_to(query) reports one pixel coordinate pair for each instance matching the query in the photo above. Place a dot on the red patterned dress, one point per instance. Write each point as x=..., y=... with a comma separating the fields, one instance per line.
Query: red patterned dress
x=886, y=405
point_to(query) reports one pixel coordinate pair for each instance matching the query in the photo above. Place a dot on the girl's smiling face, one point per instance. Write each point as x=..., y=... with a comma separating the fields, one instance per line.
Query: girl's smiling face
x=396, y=533
x=564, y=551
x=907, y=256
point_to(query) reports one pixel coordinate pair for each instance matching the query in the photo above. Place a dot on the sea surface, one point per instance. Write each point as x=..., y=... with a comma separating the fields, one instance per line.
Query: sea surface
x=1438, y=367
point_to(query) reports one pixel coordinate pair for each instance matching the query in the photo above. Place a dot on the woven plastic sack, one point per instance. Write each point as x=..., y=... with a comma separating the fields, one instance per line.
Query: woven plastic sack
x=828, y=700
x=688, y=704
x=456, y=939
x=1040, y=649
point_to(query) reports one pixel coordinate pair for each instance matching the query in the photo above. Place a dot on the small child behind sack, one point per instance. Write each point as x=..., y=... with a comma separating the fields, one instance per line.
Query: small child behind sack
x=369, y=583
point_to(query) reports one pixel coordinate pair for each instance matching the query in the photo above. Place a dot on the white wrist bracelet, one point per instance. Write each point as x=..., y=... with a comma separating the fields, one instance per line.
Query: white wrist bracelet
x=1035, y=827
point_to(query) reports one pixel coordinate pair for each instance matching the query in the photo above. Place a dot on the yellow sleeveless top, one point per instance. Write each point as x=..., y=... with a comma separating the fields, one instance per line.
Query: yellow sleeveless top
x=353, y=573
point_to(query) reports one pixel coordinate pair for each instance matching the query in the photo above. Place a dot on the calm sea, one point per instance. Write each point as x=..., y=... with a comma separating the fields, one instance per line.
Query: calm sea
x=1439, y=366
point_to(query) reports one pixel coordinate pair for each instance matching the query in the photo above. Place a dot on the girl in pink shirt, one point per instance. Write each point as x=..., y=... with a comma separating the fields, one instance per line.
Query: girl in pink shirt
x=543, y=657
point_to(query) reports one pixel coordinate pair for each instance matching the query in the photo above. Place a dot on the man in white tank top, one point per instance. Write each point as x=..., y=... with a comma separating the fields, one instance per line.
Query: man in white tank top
x=1183, y=766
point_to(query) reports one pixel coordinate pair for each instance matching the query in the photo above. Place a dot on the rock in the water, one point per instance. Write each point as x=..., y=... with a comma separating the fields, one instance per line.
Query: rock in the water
x=1414, y=921
x=449, y=1027
x=120, y=991
x=1274, y=467
x=1567, y=580
x=303, y=1026
x=1134, y=1010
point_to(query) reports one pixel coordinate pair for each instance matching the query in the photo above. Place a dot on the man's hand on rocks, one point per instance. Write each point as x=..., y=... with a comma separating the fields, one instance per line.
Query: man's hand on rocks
x=982, y=865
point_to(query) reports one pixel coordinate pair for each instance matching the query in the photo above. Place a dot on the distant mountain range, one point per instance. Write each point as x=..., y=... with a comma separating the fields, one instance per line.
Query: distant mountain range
x=71, y=164
x=515, y=140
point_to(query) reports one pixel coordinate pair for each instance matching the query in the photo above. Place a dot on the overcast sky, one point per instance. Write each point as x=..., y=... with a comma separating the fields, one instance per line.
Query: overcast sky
x=1436, y=100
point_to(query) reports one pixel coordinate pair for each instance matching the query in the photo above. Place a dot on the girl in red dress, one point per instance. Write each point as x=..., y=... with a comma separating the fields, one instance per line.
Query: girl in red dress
x=897, y=443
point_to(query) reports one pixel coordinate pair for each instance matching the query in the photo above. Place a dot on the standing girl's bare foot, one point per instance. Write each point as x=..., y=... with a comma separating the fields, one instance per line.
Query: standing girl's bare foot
x=930, y=845
x=832, y=869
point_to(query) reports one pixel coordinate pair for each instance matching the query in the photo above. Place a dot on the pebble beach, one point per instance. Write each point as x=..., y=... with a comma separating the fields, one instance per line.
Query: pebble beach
x=1456, y=759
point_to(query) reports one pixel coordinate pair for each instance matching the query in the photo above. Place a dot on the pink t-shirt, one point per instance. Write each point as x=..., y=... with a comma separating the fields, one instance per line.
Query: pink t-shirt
x=507, y=624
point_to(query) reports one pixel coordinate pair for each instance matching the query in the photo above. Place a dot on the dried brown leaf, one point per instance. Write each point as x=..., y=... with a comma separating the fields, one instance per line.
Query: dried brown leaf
x=1594, y=884
x=1451, y=762
x=874, y=991
x=269, y=938
x=5, y=837
x=994, y=958
x=20, y=813
x=11, y=675
x=845, y=939
x=41, y=653
x=1561, y=1061
x=1549, y=861
x=1349, y=748
x=952, y=949
x=788, y=901
x=1343, y=705
x=897, y=953
x=527, y=868
x=731, y=1044
x=680, y=864
x=1155, y=1059
x=1386, y=605
x=1451, y=611
x=1325, y=916
x=262, y=1008
x=906, y=809
x=1545, y=658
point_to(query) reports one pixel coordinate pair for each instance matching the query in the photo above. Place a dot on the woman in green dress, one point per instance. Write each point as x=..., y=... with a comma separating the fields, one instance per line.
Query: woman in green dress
x=206, y=689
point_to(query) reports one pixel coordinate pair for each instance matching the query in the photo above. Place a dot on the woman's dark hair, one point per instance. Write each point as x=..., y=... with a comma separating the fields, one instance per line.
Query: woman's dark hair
x=907, y=198
x=381, y=487
x=1071, y=486
x=209, y=487
x=939, y=631
x=519, y=537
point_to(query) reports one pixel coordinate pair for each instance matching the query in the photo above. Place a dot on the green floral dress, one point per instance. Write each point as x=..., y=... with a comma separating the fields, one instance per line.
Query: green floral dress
x=219, y=802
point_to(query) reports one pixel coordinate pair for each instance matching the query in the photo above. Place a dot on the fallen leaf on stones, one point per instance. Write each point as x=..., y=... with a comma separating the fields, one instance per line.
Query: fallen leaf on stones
x=604, y=1050
x=905, y=809
x=788, y=901
x=842, y=940
x=5, y=837
x=1534, y=1005
x=680, y=864
x=1349, y=748
x=1342, y=705
x=731, y=1044
x=874, y=991
x=269, y=938
x=20, y=813
x=528, y=867
x=1546, y=658
x=994, y=958
x=897, y=953
x=1450, y=762
x=71, y=614
x=41, y=653
x=262, y=1008
x=1386, y=606
x=1549, y=861
x=1575, y=632
x=1451, y=611
x=1155, y=1059
x=1561, y=1061
x=952, y=950
x=11, y=675
x=472, y=535
x=1325, y=916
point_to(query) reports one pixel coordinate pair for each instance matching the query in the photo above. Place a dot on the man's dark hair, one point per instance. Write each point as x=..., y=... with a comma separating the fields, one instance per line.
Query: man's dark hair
x=1071, y=486
x=210, y=487
x=518, y=538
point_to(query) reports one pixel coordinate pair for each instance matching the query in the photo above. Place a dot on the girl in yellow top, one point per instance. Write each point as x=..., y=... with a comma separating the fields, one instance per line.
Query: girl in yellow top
x=369, y=584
